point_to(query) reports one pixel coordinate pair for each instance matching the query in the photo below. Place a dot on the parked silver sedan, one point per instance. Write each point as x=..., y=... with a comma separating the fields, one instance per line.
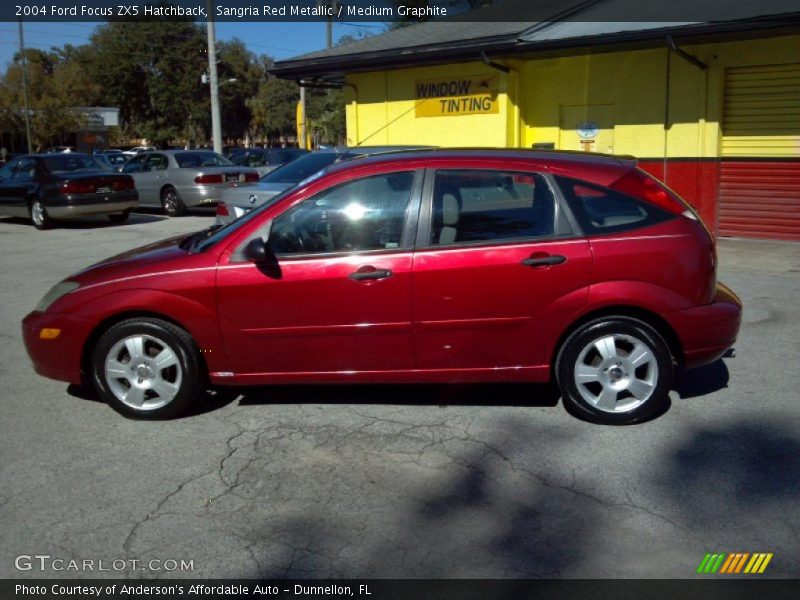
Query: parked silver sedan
x=177, y=180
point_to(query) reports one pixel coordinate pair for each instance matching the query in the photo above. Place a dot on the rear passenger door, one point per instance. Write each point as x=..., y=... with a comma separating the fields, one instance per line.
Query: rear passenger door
x=152, y=178
x=495, y=266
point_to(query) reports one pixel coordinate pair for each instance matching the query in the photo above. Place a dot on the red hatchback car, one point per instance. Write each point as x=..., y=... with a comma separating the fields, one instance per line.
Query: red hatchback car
x=424, y=266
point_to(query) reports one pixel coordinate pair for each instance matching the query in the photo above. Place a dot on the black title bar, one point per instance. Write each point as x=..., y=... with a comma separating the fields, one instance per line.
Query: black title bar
x=387, y=11
x=394, y=589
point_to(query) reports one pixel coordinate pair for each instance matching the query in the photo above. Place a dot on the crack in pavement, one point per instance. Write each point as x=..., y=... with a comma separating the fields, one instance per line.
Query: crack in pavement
x=425, y=436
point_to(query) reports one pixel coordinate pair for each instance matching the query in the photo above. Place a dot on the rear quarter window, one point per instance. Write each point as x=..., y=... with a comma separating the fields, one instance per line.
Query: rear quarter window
x=600, y=210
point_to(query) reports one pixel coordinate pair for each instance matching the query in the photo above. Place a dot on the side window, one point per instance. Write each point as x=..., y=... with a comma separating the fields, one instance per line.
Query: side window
x=156, y=162
x=25, y=171
x=363, y=214
x=134, y=165
x=485, y=206
x=256, y=159
x=601, y=210
x=8, y=169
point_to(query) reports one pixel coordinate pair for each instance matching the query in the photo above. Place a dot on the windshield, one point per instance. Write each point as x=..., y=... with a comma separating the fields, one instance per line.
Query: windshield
x=70, y=162
x=206, y=238
x=205, y=158
x=301, y=168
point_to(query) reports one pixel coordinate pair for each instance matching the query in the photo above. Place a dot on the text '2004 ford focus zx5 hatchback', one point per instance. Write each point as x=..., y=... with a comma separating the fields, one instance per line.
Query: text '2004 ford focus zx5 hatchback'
x=427, y=266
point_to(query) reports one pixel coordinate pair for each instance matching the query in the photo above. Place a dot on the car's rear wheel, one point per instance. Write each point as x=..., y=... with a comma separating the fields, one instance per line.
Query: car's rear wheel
x=119, y=217
x=615, y=370
x=39, y=216
x=148, y=368
x=171, y=203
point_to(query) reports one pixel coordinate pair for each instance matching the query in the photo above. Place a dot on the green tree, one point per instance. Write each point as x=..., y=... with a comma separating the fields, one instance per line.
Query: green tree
x=56, y=84
x=151, y=70
x=326, y=112
x=236, y=62
x=274, y=109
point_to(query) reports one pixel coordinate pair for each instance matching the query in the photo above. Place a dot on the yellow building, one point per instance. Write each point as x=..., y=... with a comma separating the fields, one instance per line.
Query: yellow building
x=711, y=109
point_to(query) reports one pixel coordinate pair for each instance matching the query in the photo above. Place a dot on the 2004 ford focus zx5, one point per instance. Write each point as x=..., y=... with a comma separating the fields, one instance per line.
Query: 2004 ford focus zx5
x=425, y=266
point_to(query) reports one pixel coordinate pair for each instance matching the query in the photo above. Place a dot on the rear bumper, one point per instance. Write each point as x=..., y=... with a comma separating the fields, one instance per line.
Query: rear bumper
x=91, y=204
x=58, y=358
x=84, y=210
x=203, y=195
x=707, y=332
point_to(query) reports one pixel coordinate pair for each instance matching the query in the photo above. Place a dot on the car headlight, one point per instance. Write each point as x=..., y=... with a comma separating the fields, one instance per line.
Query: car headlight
x=58, y=290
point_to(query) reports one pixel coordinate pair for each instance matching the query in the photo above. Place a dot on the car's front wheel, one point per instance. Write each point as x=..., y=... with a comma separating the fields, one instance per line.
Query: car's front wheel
x=148, y=368
x=615, y=370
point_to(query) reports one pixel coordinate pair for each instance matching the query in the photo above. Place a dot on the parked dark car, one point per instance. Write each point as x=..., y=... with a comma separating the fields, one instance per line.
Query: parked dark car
x=440, y=266
x=265, y=160
x=47, y=187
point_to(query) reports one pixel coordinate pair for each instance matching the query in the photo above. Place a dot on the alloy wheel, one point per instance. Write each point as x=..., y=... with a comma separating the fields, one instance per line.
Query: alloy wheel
x=37, y=213
x=143, y=372
x=616, y=373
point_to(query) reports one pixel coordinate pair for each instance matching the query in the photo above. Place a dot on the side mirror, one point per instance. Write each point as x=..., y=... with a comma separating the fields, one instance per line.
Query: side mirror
x=257, y=251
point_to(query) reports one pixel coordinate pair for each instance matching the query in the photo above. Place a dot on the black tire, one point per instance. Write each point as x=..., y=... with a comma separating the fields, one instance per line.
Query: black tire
x=171, y=202
x=636, y=359
x=39, y=217
x=186, y=372
x=119, y=217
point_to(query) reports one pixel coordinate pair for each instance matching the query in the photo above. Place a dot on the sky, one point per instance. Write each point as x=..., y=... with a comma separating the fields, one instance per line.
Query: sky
x=279, y=40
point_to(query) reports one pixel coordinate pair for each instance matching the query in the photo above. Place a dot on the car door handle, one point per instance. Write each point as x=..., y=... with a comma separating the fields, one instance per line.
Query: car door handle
x=544, y=261
x=369, y=272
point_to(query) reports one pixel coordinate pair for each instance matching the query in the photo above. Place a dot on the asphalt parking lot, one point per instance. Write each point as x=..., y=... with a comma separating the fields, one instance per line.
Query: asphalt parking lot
x=487, y=481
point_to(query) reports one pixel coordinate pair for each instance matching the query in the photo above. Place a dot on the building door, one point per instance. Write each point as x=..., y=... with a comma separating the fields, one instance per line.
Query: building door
x=760, y=172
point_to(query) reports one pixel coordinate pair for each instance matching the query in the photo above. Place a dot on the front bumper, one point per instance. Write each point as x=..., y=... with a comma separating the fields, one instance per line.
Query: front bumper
x=707, y=332
x=58, y=358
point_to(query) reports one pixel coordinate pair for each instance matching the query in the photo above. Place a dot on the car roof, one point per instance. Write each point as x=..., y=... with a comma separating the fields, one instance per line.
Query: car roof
x=59, y=154
x=563, y=158
x=175, y=151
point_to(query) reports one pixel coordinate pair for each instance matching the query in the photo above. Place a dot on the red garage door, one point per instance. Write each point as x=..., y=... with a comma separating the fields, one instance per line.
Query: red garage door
x=760, y=173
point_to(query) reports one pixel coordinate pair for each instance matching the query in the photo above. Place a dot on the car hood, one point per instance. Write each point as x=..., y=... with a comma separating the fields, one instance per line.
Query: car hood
x=157, y=257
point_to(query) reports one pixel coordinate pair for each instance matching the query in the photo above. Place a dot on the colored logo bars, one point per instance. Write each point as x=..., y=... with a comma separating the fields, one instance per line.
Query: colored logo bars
x=737, y=562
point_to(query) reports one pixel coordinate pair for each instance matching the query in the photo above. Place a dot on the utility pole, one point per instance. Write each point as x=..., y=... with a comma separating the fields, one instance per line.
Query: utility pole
x=213, y=80
x=25, y=86
x=302, y=141
x=329, y=26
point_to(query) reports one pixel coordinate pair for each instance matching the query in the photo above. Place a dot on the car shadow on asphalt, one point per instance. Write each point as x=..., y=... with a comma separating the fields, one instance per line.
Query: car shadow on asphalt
x=94, y=222
x=702, y=380
x=496, y=394
x=212, y=400
x=691, y=384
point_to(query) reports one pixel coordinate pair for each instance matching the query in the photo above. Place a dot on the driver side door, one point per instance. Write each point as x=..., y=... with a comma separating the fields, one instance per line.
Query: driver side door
x=337, y=301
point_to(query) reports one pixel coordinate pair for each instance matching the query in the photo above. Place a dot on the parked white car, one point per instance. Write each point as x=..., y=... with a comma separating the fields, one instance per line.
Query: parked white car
x=137, y=149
